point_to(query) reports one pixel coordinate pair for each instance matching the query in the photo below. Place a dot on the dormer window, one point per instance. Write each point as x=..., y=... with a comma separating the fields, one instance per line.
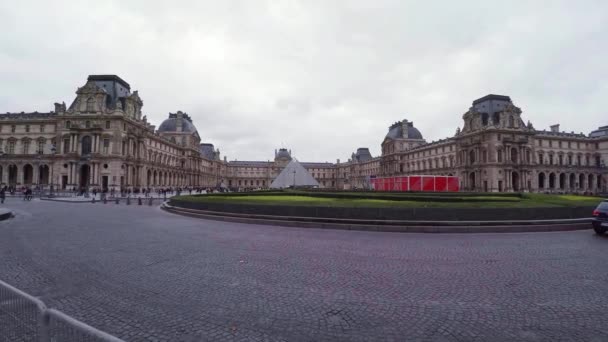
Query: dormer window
x=90, y=105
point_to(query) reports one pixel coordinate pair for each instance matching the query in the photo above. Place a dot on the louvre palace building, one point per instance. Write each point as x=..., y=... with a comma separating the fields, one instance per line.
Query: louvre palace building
x=102, y=140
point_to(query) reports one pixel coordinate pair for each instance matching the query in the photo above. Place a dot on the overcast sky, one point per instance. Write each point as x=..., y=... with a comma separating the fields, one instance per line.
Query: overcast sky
x=319, y=77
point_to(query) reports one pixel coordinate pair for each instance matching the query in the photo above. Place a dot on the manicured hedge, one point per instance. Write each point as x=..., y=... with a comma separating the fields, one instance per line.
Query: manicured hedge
x=391, y=196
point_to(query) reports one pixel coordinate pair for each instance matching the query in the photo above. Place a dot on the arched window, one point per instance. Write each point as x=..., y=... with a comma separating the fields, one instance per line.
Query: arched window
x=68, y=124
x=90, y=105
x=86, y=144
x=496, y=118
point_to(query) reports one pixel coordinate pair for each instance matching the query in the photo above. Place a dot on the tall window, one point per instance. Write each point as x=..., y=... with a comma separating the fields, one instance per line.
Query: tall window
x=68, y=124
x=27, y=128
x=40, y=147
x=42, y=128
x=87, y=124
x=106, y=145
x=550, y=159
x=13, y=128
x=500, y=156
x=578, y=160
x=11, y=147
x=511, y=122
x=569, y=160
x=86, y=145
x=587, y=160
x=540, y=158
x=90, y=105
x=107, y=124
x=26, y=147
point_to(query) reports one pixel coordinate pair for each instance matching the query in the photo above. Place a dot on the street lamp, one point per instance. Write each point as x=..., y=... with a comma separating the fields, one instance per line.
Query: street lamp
x=1, y=155
x=53, y=151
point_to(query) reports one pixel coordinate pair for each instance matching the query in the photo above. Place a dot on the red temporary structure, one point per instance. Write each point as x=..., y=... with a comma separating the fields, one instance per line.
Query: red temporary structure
x=416, y=183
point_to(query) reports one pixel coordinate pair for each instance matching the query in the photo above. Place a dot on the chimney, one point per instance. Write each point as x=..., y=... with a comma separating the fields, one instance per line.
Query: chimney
x=178, y=124
x=404, y=130
x=555, y=128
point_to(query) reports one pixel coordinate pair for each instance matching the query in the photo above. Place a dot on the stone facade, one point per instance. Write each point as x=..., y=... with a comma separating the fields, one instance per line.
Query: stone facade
x=496, y=151
x=102, y=140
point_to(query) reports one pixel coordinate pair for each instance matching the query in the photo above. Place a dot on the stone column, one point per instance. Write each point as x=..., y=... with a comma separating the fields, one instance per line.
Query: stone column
x=35, y=174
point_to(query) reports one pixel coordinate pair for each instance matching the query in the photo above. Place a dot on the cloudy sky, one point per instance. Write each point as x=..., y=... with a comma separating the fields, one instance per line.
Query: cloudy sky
x=319, y=77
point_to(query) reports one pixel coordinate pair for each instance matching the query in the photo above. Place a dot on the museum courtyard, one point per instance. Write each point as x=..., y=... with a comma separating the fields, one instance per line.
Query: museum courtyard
x=143, y=274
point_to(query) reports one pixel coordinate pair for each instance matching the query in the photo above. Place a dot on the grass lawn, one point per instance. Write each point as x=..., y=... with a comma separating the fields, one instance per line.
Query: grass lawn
x=528, y=200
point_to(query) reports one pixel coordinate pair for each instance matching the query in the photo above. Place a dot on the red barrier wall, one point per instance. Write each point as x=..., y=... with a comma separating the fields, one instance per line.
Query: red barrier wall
x=416, y=183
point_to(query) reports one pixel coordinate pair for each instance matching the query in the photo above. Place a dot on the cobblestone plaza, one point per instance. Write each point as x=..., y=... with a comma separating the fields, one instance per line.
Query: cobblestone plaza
x=146, y=275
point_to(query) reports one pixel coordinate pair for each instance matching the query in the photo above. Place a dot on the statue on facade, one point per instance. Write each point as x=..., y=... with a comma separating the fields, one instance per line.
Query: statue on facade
x=457, y=130
x=529, y=125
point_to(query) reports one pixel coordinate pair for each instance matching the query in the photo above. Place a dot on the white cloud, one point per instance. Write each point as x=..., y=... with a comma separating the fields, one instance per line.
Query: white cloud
x=321, y=77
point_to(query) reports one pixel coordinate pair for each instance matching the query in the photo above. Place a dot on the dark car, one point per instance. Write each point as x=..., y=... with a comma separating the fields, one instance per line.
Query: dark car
x=600, y=218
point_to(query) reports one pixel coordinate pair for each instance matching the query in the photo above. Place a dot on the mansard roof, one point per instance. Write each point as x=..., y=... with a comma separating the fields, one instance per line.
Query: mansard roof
x=492, y=97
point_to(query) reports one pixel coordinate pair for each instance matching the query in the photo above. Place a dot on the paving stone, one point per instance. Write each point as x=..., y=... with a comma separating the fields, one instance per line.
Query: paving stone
x=143, y=275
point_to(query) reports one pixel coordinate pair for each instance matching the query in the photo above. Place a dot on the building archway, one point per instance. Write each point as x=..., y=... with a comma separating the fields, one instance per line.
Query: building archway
x=12, y=175
x=85, y=175
x=472, y=181
x=541, y=180
x=43, y=174
x=149, y=178
x=562, y=181
x=590, y=182
x=581, y=181
x=552, y=180
x=28, y=174
x=515, y=181
x=572, y=183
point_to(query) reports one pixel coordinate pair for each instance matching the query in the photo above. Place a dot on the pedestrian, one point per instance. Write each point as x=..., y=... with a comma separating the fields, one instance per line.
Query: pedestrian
x=2, y=194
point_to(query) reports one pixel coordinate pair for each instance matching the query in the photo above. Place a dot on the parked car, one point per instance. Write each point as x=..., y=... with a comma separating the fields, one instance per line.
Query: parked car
x=600, y=218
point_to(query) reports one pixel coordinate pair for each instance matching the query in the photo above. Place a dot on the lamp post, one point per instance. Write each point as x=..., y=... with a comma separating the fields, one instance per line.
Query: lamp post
x=37, y=181
x=294, y=178
x=53, y=151
x=2, y=155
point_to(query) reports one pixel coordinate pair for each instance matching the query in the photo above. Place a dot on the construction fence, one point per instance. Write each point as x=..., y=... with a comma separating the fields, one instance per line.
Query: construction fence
x=24, y=318
x=416, y=183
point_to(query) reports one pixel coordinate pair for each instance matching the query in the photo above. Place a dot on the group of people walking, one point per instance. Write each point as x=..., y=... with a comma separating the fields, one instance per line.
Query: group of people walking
x=27, y=192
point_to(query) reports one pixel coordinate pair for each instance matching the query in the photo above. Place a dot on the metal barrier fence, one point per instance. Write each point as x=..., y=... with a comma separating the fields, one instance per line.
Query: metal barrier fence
x=24, y=318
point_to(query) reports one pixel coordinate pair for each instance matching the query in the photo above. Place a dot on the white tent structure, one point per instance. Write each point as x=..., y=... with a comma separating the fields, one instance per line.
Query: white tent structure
x=294, y=174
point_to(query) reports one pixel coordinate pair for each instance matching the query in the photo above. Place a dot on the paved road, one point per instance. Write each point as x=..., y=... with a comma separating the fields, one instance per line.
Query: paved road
x=146, y=275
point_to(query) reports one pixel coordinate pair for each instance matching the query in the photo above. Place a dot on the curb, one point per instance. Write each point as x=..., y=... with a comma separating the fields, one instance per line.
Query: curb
x=5, y=214
x=96, y=200
x=391, y=226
